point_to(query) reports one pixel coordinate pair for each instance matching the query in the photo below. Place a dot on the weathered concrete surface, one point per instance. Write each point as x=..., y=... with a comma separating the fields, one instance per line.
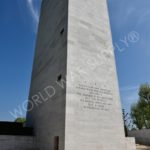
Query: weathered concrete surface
x=93, y=109
x=74, y=40
x=47, y=97
x=141, y=136
x=130, y=143
x=17, y=143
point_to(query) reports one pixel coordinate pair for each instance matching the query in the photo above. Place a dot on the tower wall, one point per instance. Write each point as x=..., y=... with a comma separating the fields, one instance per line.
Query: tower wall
x=93, y=109
x=46, y=108
x=74, y=44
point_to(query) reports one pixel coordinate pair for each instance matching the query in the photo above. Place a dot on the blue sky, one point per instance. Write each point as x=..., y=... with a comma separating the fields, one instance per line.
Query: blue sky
x=18, y=27
x=133, y=62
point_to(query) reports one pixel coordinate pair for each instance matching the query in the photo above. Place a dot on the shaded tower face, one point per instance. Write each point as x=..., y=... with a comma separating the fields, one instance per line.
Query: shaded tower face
x=74, y=97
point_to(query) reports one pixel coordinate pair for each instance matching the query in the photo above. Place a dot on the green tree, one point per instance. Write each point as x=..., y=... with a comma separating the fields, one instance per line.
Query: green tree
x=21, y=120
x=125, y=115
x=140, y=112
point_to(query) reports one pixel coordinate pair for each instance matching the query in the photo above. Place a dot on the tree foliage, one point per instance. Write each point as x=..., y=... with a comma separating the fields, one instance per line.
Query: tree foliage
x=125, y=115
x=20, y=120
x=140, y=112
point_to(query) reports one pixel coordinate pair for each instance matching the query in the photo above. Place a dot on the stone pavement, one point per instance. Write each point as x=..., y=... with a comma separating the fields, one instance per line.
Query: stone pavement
x=141, y=147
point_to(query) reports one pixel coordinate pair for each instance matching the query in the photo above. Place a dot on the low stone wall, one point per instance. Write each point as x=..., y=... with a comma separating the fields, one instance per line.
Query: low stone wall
x=141, y=136
x=17, y=142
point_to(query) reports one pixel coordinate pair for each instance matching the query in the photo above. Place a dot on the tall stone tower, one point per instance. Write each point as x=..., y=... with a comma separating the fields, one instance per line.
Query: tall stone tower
x=74, y=97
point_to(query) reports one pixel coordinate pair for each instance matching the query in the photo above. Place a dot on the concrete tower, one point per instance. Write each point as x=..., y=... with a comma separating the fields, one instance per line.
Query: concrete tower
x=74, y=97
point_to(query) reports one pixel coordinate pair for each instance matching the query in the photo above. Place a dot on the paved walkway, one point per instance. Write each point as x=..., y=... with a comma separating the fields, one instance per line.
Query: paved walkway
x=141, y=147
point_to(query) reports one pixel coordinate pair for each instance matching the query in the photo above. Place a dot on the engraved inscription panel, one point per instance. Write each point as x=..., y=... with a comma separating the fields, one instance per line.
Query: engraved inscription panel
x=94, y=97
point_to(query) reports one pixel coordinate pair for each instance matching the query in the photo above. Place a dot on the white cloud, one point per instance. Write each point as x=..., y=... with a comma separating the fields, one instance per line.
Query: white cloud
x=129, y=88
x=129, y=96
x=33, y=12
x=132, y=97
x=143, y=15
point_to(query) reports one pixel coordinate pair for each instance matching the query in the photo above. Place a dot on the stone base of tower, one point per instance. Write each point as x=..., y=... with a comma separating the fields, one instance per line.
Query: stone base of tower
x=130, y=143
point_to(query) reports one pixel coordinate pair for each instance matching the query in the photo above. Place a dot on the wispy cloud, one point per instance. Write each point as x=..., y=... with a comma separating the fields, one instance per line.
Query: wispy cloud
x=33, y=12
x=129, y=88
x=129, y=99
x=129, y=96
x=132, y=97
